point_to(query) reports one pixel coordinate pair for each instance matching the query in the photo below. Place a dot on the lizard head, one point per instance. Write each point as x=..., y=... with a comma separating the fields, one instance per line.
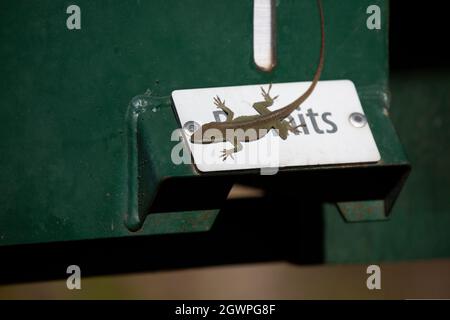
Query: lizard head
x=207, y=133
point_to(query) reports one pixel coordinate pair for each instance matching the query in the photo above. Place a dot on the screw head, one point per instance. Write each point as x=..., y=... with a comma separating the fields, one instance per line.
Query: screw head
x=191, y=126
x=358, y=120
x=139, y=102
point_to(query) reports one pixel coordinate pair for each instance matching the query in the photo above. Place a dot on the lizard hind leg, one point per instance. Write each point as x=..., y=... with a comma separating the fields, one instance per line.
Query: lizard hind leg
x=262, y=107
x=282, y=129
x=295, y=129
x=266, y=95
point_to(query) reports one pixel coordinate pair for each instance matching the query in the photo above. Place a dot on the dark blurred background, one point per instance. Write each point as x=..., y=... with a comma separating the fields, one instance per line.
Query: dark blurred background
x=418, y=36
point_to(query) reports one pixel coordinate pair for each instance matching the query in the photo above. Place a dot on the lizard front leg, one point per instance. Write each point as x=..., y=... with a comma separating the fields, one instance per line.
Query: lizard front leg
x=221, y=105
x=229, y=152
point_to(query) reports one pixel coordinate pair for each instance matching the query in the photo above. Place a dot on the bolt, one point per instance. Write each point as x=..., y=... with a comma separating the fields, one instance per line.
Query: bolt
x=191, y=126
x=358, y=120
x=139, y=102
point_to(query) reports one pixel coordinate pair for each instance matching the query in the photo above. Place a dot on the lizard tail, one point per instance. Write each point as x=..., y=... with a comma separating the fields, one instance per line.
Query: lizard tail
x=297, y=102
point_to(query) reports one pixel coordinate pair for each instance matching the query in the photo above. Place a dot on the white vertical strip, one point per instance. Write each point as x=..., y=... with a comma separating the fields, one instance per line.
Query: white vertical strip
x=263, y=34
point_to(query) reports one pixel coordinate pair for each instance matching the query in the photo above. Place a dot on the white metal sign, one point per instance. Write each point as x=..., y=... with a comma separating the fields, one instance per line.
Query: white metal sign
x=329, y=127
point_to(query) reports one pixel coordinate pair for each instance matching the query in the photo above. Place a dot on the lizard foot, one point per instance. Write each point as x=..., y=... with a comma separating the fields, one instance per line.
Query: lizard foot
x=219, y=103
x=295, y=129
x=227, y=153
x=266, y=95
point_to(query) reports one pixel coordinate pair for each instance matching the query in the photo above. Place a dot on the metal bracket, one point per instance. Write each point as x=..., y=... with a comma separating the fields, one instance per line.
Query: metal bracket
x=157, y=184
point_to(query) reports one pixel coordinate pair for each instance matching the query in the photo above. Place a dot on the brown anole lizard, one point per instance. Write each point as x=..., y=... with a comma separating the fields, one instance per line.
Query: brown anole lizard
x=254, y=127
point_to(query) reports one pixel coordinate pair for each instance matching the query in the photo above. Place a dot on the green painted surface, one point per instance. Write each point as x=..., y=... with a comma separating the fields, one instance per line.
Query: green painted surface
x=363, y=211
x=419, y=224
x=65, y=94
